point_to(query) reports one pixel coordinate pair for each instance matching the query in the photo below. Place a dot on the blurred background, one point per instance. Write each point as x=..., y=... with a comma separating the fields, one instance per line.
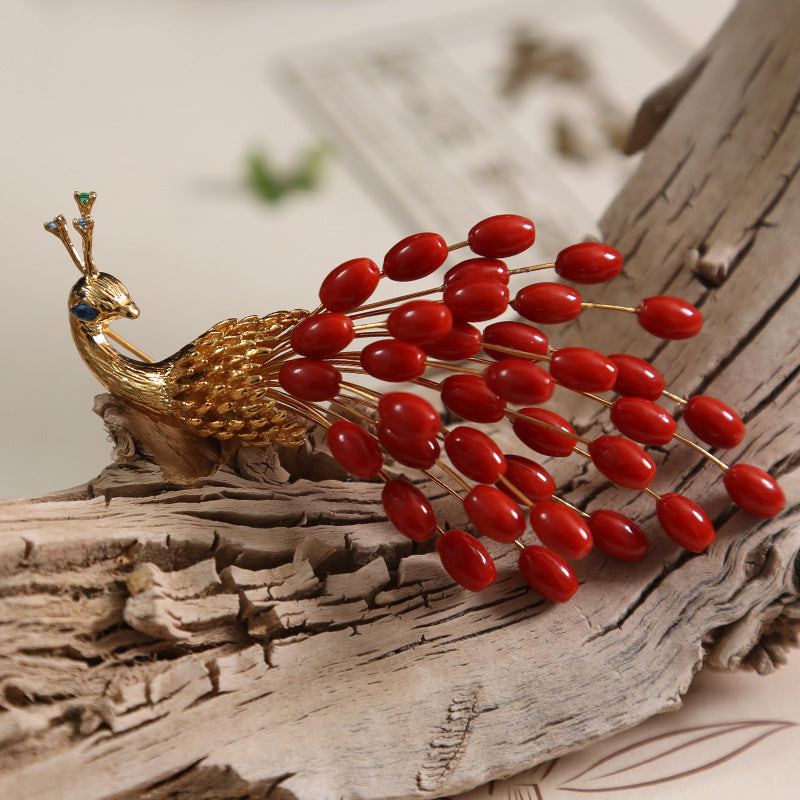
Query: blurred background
x=240, y=150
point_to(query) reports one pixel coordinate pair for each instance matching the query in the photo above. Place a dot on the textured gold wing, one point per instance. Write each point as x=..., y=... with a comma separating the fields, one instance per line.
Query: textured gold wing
x=222, y=384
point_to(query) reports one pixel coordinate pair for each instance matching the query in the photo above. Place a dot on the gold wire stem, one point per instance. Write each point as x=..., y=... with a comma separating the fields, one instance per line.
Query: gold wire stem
x=379, y=304
x=514, y=352
x=608, y=307
x=427, y=383
x=594, y=397
x=700, y=449
x=523, y=498
x=127, y=345
x=519, y=544
x=361, y=391
x=353, y=411
x=369, y=326
x=577, y=510
x=454, y=475
x=457, y=246
x=674, y=397
x=547, y=426
x=449, y=489
x=453, y=368
x=646, y=490
x=532, y=268
x=311, y=413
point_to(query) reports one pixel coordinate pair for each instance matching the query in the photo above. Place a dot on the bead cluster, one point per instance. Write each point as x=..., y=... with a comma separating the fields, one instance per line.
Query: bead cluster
x=516, y=372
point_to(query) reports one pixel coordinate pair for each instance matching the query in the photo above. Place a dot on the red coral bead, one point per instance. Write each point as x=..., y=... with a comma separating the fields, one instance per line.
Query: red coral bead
x=547, y=573
x=754, y=490
x=669, y=317
x=392, y=360
x=415, y=257
x=491, y=268
x=474, y=454
x=494, y=514
x=516, y=336
x=622, y=461
x=588, y=262
x=617, y=536
x=349, y=285
x=561, y=529
x=408, y=510
x=463, y=341
x=643, y=421
x=476, y=299
x=685, y=522
x=416, y=453
x=713, y=421
x=583, y=370
x=355, y=449
x=541, y=437
x=466, y=560
x=547, y=303
x=518, y=381
x=469, y=397
x=310, y=379
x=420, y=321
x=409, y=415
x=636, y=377
x=502, y=235
x=322, y=335
x=534, y=481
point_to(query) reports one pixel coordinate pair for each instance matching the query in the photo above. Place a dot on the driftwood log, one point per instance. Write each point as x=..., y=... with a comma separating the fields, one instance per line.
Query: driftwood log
x=262, y=632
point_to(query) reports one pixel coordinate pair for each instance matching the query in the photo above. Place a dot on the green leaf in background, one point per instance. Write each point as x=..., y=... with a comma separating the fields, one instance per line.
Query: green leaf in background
x=273, y=184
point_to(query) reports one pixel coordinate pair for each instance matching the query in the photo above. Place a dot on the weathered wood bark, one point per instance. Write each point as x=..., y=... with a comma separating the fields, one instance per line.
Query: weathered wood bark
x=263, y=632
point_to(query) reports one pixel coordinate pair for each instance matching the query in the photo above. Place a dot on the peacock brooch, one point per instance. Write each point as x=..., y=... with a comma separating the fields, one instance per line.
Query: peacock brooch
x=266, y=380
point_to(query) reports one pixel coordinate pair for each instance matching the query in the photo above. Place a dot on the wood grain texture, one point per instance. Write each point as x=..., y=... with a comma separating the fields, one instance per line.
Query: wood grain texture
x=263, y=632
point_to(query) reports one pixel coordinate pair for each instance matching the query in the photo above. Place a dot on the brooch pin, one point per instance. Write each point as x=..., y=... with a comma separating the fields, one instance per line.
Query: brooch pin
x=265, y=380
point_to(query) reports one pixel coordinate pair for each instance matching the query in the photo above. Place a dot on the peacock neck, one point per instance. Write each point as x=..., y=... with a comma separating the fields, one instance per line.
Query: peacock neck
x=140, y=384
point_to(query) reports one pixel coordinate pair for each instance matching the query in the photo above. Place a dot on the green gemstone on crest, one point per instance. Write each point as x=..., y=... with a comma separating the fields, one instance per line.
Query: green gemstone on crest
x=83, y=198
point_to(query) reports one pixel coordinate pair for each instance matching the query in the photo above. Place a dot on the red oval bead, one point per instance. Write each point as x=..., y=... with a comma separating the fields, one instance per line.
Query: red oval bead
x=622, y=461
x=469, y=397
x=547, y=573
x=547, y=303
x=516, y=336
x=463, y=341
x=476, y=300
x=474, y=454
x=754, y=490
x=589, y=262
x=415, y=257
x=561, y=529
x=713, y=421
x=519, y=381
x=617, y=536
x=409, y=415
x=321, y=335
x=685, y=522
x=472, y=268
x=643, y=421
x=408, y=510
x=355, y=449
x=542, y=438
x=583, y=370
x=502, y=235
x=393, y=361
x=669, y=317
x=531, y=479
x=417, y=453
x=494, y=514
x=349, y=285
x=466, y=560
x=310, y=379
x=636, y=377
x=420, y=321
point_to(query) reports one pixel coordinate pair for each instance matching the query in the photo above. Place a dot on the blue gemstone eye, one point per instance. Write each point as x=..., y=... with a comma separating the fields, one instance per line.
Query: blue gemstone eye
x=84, y=312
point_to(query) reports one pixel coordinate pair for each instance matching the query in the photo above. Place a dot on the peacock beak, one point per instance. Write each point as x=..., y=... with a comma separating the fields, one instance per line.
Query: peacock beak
x=131, y=310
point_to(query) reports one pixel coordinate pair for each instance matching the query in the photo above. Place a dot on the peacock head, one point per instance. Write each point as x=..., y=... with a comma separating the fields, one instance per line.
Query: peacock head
x=97, y=298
